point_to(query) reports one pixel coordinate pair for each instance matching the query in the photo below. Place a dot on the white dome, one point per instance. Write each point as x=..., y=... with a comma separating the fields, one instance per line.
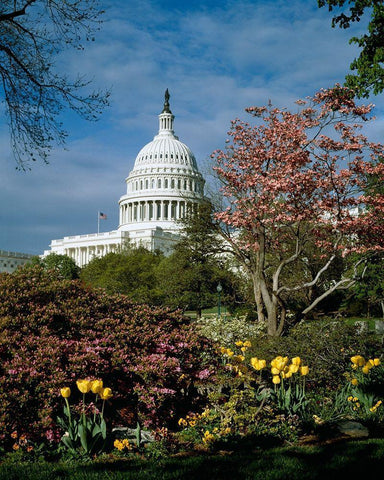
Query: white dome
x=164, y=183
x=165, y=150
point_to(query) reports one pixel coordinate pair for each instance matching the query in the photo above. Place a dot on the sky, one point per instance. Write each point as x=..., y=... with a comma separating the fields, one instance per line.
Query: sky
x=216, y=59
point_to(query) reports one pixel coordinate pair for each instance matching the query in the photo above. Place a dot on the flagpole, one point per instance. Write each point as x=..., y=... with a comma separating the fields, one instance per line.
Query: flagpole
x=98, y=223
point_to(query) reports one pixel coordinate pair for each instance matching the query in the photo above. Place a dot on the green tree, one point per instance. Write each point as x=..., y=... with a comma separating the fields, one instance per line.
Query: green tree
x=64, y=267
x=369, y=69
x=130, y=272
x=35, y=91
x=189, y=277
x=370, y=286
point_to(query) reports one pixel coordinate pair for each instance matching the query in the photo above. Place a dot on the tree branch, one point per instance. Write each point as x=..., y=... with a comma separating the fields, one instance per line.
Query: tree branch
x=343, y=284
x=17, y=13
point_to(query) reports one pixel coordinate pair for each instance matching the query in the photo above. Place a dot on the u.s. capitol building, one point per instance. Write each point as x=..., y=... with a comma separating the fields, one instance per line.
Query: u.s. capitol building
x=163, y=186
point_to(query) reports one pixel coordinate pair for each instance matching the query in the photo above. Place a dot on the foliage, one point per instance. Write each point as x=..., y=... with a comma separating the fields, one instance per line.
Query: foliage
x=189, y=277
x=33, y=33
x=54, y=331
x=327, y=343
x=62, y=266
x=296, y=199
x=369, y=65
x=130, y=272
x=370, y=286
x=366, y=386
x=248, y=400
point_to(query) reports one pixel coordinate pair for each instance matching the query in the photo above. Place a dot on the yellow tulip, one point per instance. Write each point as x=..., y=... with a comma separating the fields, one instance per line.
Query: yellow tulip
x=239, y=343
x=275, y=361
x=294, y=368
x=106, y=394
x=354, y=381
x=84, y=385
x=239, y=358
x=358, y=360
x=254, y=362
x=65, y=392
x=296, y=361
x=275, y=371
x=376, y=361
x=262, y=364
x=97, y=386
x=304, y=370
x=247, y=344
x=276, y=379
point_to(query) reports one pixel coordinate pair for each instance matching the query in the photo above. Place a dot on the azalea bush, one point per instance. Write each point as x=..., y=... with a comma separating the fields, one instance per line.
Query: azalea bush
x=53, y=332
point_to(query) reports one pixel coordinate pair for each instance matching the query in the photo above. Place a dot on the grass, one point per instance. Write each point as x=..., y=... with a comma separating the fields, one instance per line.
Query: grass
x=363, y=458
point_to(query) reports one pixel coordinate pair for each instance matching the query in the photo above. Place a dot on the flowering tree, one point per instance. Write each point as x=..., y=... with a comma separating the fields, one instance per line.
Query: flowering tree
x=298, y=202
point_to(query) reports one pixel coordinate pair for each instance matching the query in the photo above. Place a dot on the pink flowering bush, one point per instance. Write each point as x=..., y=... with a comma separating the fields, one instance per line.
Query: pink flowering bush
x=53, y=332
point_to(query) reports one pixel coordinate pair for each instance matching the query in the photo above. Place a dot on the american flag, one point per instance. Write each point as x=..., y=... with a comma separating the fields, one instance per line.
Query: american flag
x=103, y=216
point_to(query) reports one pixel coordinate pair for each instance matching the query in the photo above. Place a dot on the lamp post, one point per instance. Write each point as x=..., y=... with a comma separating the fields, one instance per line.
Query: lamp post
x=219, y=290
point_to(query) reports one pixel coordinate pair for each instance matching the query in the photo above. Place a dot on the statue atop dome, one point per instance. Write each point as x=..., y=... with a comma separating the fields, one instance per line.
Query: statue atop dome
x=166, y=102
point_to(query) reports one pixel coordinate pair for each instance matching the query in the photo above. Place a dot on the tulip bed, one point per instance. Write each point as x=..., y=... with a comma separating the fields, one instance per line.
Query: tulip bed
x=84, y=374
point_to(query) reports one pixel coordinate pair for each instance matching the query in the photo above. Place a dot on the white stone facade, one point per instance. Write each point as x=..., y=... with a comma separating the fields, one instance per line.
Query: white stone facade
x=163, y=186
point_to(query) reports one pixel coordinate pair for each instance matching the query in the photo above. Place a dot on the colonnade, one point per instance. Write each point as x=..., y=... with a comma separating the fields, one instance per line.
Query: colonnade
x=83, y=255
x=154, y=210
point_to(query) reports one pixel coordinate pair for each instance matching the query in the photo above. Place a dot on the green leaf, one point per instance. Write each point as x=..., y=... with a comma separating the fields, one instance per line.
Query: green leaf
x=83, y=437
x=103, y=428
x=68, y=443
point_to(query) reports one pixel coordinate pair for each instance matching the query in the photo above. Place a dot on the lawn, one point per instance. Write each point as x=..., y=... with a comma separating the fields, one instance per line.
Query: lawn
x=353, y=459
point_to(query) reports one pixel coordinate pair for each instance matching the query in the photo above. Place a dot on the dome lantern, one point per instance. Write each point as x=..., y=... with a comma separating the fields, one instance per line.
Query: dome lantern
x=166, y=118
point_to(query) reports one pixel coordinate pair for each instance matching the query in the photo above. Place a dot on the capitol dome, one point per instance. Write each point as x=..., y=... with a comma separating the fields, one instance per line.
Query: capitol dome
x=164, y=183
x=163, y=186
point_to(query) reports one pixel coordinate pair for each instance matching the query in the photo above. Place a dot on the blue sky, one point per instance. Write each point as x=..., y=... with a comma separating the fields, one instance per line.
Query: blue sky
x=216, y=59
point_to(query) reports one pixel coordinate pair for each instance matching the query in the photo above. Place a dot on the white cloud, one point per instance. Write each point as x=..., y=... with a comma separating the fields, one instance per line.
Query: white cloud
x=216, y=59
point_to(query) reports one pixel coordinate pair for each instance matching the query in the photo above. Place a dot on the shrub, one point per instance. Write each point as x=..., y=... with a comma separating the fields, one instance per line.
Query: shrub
x=53, y=332
x=326, y=345
x=226, y=331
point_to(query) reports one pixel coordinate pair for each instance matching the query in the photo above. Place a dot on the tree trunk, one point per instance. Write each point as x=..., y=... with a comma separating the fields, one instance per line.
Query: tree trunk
x=258, y=300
